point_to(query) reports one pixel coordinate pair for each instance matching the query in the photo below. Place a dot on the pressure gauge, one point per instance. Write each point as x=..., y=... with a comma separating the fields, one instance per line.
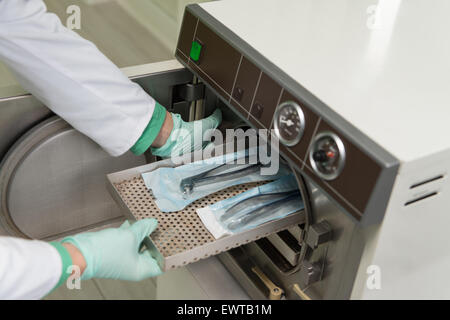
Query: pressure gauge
x=327, y=155
x=289, y=123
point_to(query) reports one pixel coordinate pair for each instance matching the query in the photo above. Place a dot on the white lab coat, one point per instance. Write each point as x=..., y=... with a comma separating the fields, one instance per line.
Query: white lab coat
x=29, y=269
x=77, y=82
x=71, y=76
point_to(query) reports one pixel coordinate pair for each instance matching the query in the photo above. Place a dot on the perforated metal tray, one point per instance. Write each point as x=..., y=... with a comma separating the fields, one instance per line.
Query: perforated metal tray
x=181, y=238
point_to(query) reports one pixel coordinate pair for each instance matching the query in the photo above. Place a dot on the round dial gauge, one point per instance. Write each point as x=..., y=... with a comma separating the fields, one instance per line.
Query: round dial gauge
x=327, y=155
x=289, y=123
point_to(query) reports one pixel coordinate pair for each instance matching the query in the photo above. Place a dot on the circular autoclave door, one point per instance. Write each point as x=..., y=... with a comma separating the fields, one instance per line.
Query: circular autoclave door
x=52, y=182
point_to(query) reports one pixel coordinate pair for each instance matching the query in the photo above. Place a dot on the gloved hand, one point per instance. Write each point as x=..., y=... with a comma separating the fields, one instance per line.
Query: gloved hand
x=114, y=253
x=185, y=137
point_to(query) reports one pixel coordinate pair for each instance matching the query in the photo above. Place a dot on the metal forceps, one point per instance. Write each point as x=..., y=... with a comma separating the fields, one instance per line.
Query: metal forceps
x=263, y=211
x=218, y=174
x=255, y=201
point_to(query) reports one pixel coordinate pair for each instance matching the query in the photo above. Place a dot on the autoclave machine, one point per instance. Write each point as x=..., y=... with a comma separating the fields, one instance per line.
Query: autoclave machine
x=365, y=134
x=361, y=110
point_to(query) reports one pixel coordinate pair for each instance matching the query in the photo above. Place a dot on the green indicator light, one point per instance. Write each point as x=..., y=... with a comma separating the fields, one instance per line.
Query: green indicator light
x=196, y=49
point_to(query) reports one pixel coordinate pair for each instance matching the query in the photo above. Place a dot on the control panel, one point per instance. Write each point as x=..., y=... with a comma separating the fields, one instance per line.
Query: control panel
x=260, y=92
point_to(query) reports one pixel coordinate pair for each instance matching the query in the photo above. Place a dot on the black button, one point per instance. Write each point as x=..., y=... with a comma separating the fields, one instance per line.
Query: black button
x=257, y=110
x=238, y=94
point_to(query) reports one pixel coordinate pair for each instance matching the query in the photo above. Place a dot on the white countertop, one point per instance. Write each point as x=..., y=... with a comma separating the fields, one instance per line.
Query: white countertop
x=389, y=76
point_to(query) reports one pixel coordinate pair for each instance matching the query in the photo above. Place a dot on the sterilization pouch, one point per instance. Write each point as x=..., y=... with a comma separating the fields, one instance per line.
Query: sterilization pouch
x=175, y=188
x=252, y=208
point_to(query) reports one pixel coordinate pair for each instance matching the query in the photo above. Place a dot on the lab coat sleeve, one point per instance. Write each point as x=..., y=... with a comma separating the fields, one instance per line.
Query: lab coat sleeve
x=71, y=76
x=29, y=269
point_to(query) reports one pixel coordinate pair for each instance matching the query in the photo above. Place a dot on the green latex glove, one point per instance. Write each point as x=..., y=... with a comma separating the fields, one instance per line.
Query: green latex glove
x=114, y=253
x=188, y=136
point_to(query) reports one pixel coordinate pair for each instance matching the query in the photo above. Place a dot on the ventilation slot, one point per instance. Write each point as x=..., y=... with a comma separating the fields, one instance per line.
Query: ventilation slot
x=426, y=181
x=421, y=198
